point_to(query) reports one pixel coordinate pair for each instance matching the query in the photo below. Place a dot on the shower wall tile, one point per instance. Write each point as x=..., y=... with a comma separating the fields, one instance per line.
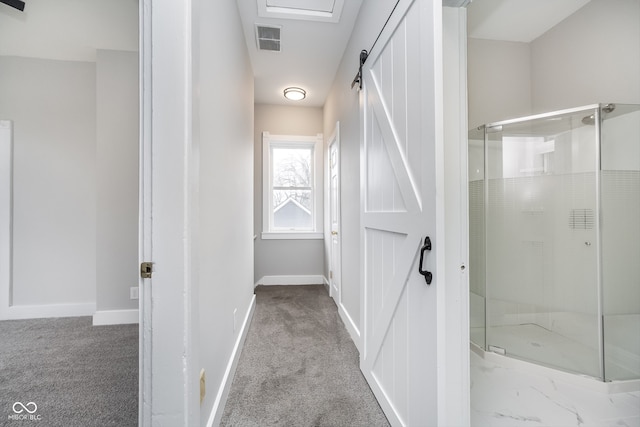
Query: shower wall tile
x=476, y=238
x=476, y=309
x=533, y=255
x=620, y=136
x=579, y=327
x=622, y=346
x=621, y=241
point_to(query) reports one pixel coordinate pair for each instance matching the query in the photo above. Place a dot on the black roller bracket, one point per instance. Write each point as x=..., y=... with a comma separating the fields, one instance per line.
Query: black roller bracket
x=428, y=277
x=358, y=79
x=364, y=54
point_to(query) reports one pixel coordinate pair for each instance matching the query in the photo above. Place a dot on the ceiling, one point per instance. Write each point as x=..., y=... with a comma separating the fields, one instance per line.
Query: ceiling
x=312, y=43
x=311, y=50
x=517, y=20
x=311, y=46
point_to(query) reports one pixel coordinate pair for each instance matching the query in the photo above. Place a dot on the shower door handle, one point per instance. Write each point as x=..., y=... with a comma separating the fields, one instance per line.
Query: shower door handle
x=427, y=274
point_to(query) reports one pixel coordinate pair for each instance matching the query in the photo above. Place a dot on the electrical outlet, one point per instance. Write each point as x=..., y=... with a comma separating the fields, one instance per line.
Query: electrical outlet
x=235, y=310
x=203, y=387
x=133, y=292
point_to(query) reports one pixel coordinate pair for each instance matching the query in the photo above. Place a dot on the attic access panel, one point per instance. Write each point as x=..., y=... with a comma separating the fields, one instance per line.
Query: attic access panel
x=308, y=10
x=310, y=5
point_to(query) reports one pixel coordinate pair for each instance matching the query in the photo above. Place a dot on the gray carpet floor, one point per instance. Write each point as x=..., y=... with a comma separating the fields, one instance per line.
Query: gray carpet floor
x=299, y=366
x=77, y=374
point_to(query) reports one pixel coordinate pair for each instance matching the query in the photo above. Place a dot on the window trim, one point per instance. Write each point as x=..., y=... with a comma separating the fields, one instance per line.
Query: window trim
x=314, y=142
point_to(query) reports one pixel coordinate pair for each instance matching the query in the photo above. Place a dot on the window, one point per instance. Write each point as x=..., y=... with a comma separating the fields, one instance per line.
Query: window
x=292, y=186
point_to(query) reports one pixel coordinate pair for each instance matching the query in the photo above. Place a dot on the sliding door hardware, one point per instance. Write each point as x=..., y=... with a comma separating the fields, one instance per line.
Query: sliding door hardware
x=426, y=247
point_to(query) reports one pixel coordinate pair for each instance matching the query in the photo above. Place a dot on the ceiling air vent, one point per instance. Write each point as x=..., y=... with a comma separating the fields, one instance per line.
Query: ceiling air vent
x=268, y=37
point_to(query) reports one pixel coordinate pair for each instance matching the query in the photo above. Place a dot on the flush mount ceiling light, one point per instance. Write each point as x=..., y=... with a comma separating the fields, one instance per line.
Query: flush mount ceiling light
x=295, y=93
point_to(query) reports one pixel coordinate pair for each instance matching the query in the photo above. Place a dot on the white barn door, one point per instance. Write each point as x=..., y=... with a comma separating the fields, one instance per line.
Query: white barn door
x=398, y=166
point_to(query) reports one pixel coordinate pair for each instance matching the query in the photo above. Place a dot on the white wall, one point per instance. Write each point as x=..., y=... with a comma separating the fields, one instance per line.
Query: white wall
x=117, y=179
x=283, y=257
x=53, y=105
x=590, y=57
x=67, y=237
x=343, y=105
x=499, y=81
x=223, y=241
x=69, y=29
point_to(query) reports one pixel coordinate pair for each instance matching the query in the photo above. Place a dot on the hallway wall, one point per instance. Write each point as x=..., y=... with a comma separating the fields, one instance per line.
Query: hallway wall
x=283, y=257
x=222, y=234
x=343, y=105
x=200, y=137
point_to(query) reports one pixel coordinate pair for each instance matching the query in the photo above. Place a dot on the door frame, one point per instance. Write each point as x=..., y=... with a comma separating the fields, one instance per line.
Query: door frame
x=335, y=270
x=456, y=406
x=144, y=214
x=6, y=215
x=168, y=380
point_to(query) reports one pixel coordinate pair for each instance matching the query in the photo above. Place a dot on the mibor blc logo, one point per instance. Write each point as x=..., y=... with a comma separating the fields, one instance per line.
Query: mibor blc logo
x=25, y=412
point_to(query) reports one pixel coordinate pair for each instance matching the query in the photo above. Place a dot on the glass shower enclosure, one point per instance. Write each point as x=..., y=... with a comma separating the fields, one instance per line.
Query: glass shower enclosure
x=554, y=225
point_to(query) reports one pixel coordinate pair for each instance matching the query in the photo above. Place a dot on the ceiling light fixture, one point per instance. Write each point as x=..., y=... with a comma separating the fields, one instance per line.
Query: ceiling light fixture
x=295, y=93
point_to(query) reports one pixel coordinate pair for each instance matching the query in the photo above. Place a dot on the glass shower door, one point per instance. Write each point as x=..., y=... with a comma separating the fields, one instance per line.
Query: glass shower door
x=477, y=289
x=542, y=247
x=620, y=201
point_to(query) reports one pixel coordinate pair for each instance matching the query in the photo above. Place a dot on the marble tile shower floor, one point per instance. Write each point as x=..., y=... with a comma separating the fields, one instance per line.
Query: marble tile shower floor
x=502, y=396
x=534, y=343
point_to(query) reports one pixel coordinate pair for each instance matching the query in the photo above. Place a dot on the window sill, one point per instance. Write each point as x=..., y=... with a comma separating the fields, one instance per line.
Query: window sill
x=292, y=235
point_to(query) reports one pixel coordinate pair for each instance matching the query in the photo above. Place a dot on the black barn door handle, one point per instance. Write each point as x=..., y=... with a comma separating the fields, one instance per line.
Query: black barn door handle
x=427, y=274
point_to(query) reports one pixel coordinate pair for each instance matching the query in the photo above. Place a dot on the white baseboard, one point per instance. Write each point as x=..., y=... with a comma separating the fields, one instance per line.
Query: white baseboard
x=227, y=379
x=317, y=279
x=353, y=330
x=17, y=312
x=115, y=317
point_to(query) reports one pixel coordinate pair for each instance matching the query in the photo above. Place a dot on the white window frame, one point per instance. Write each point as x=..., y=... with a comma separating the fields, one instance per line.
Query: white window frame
x=268, y=142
